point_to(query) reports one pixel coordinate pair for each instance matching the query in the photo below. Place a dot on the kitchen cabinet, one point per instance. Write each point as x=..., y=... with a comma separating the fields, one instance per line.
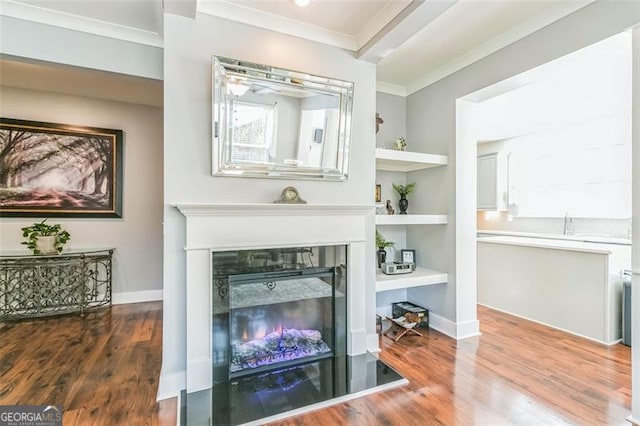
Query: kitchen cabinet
x=493, y=175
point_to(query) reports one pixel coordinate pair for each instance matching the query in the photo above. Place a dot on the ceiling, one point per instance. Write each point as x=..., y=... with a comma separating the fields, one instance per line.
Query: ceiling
x=413, y=42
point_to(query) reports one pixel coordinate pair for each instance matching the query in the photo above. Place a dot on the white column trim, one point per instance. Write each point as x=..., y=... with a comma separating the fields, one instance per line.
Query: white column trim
x=635, y=250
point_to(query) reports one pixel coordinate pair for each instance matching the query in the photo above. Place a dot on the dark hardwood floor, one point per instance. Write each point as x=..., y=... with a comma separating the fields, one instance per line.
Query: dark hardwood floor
x=517, y=373
x=103, y=369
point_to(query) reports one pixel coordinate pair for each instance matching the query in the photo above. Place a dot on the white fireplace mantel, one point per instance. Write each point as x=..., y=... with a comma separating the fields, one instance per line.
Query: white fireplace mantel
x=212, y=227
x=264, y=209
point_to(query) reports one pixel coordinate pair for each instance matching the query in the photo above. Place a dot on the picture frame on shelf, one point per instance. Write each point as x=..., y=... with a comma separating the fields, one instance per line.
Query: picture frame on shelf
x=408, y=256
x=378, y=193
x=60, y=170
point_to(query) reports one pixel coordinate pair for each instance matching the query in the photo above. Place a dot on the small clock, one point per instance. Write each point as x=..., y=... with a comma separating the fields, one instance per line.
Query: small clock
x=290, y=195
x=408, y=255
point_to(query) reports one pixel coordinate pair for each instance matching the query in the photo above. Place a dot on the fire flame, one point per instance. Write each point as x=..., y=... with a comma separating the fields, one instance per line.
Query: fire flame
x=245, y=335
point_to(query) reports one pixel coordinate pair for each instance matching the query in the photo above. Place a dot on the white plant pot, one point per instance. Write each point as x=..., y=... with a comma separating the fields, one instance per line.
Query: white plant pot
x=46, y=244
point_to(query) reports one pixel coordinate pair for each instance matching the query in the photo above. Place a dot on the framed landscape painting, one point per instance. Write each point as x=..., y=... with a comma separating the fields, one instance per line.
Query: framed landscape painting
x=59, y=170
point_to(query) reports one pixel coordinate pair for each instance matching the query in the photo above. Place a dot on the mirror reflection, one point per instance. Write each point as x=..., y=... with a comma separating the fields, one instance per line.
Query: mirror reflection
x=271, y=122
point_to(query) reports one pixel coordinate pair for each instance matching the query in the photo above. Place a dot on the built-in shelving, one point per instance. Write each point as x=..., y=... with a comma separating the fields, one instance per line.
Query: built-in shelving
x=405, y=161
x=411, y=219
x=419, y=277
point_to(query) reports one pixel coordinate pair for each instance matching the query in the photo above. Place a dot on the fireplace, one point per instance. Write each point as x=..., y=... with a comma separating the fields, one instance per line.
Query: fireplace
x=275, y=308
x=237, y=240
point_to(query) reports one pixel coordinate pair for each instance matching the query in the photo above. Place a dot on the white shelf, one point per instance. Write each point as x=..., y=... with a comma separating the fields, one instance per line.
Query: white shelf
x=418, y=278
x=411, y=219
x=404, y=161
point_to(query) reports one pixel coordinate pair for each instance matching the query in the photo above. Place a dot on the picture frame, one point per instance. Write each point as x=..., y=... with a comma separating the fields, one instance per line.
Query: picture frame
x=378, y=193
x=408, y=256
x=60, y=170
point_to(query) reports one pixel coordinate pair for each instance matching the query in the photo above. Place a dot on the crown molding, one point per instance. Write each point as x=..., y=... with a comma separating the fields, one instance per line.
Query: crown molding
x=41, y=15
x=558, y=11
x=238, y=13
x=390, y=88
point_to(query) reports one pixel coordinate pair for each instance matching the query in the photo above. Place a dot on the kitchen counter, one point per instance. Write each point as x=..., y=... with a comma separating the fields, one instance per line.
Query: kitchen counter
x=571, y=245
x=576, y=237
x=571, y=285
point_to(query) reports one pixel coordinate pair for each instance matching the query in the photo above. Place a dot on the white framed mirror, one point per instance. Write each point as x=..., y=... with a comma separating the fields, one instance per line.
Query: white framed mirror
x=278, y=123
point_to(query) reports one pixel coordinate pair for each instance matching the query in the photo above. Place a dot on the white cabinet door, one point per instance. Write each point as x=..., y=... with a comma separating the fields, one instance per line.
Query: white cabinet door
x=488, y=182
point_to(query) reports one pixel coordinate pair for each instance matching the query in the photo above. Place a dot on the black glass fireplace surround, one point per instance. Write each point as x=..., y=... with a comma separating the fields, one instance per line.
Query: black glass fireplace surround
x=279, y=327
x=276, y=308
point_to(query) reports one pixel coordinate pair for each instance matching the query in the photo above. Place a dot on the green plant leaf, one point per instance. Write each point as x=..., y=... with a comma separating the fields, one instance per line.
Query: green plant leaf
x=381, y=242
x=41, y=229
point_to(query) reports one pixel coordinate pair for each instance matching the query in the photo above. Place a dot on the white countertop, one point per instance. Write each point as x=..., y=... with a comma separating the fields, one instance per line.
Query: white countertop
x=556, y=244
x=578, y=237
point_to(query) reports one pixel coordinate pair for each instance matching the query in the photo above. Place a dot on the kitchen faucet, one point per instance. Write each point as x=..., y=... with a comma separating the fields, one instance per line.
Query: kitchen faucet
x=568, y=225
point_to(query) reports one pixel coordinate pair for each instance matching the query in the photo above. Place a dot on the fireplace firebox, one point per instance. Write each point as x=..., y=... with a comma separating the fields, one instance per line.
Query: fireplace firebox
x=276, y=308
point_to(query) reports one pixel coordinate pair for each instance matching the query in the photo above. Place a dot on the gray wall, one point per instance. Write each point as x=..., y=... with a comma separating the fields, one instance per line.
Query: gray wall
x=137, y=236
x=431, y=123
x=49, y=43
x=392, y=109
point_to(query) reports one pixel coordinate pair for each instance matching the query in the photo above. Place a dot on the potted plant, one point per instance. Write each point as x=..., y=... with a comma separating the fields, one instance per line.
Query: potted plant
x=42, y=238
x=382, y=244
x=404, y=190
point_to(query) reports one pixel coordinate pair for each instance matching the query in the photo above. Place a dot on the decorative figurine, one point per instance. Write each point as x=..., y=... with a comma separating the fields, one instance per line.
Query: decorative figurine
x=379, y=121
x=401, y=144
x=390, y=209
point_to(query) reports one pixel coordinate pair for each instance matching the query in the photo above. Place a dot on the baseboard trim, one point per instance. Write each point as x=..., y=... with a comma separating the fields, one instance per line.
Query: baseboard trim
x=170, y=385
x=467, y=329
x=443, y=325
x=136, y=297
x=373, y=343
x=384, y=311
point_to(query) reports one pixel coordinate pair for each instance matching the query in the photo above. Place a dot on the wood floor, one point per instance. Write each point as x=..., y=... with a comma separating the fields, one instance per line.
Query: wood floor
x=103, y=370
x=516, y=373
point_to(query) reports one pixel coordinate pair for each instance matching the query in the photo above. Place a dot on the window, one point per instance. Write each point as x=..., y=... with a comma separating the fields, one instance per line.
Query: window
x=253, y=128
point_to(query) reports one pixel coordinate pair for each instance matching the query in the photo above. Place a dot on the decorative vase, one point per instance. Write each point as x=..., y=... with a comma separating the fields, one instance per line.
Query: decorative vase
x=403, y=204
x=46, y=244
x=382, y=257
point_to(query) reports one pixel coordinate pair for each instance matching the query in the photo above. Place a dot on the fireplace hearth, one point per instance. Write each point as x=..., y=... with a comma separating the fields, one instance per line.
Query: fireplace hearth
x=274, y=395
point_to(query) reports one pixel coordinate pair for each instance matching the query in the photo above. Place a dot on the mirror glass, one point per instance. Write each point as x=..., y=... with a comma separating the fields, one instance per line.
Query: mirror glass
x=273, y=122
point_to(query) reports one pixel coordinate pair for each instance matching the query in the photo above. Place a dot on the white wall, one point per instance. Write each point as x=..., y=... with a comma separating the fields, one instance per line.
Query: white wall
x=431, y=123
x=635, y=251
x=137, y=236
x=189, y=45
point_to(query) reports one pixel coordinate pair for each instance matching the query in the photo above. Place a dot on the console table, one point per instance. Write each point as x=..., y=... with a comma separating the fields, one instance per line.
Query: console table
x=42, y=285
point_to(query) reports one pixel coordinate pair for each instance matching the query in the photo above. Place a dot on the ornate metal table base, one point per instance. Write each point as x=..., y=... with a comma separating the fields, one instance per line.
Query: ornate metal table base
x=35, y=286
